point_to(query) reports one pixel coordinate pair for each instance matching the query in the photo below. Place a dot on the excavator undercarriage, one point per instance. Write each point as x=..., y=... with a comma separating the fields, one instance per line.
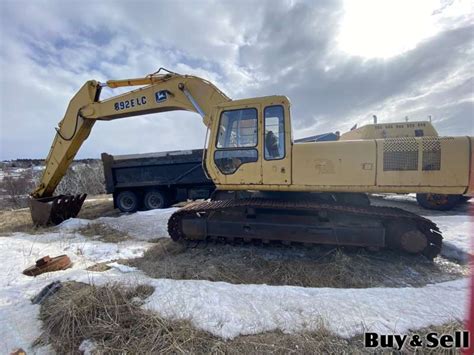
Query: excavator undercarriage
x=309, y=221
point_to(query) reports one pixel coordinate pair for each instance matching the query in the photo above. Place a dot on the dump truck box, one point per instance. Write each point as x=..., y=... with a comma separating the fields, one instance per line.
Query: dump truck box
x=155, y=180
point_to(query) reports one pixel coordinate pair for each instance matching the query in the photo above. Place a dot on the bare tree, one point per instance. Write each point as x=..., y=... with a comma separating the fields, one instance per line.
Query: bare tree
x=83, y=178
x=17, y=187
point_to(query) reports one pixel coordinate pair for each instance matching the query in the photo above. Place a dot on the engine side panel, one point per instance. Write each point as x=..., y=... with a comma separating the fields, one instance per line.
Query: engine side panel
x=335, y=163
x=425, y=164
x=428, y=161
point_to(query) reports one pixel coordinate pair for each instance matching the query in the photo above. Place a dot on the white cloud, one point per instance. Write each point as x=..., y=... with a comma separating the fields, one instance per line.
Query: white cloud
x=247, y=48
x=384, y=28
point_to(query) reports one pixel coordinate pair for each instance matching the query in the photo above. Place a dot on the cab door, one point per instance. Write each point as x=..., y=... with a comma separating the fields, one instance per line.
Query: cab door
x=276, y=137
x=235, y=147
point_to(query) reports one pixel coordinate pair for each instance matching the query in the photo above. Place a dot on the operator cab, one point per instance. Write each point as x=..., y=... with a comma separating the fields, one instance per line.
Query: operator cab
x=252, y=143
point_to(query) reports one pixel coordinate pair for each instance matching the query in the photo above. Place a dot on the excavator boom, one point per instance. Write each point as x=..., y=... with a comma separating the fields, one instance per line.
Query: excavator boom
x=157, y=93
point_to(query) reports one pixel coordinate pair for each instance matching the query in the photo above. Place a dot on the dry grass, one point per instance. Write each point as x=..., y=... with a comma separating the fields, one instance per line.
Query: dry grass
x=446, y=328
x=103, y=233
x=19, y=220
x=101, y=206
x=100, y=267
x=112, y=318
x=308, y=266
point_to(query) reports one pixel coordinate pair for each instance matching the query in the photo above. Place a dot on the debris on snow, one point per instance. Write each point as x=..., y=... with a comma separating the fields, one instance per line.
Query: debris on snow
x=19, y=318
x=47, y=291
x=48, y=264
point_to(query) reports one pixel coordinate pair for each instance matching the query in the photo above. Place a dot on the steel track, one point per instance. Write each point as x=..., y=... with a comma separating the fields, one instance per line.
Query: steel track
x=384, y=214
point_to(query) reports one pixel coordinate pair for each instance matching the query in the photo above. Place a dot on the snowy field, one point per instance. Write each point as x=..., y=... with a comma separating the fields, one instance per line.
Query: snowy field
x=224, y=309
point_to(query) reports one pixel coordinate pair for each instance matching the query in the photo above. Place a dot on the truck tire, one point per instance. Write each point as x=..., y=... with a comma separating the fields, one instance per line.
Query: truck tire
x=155, y=199
x=438, y=202
x=127, y=201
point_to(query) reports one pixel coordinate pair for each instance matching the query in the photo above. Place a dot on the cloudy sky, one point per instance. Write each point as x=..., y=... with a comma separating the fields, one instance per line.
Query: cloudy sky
x=338, y=62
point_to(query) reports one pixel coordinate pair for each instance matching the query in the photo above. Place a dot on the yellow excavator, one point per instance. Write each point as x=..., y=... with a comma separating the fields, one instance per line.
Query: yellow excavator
x=268, y=187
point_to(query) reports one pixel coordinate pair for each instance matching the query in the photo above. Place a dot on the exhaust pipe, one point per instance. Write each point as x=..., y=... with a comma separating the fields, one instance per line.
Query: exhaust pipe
x=56, y=209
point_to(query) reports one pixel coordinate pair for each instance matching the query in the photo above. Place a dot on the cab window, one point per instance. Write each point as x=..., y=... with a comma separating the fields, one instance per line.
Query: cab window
x=274, y=132
x=229, y=160
x=236, y=140
x=238, y=129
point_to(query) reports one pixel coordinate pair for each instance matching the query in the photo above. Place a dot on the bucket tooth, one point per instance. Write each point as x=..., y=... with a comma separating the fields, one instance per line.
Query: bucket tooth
x=55, y=209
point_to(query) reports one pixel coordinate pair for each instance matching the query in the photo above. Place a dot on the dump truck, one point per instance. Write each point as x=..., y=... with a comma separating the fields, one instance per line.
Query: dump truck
x=155, y=180
x=269, y=188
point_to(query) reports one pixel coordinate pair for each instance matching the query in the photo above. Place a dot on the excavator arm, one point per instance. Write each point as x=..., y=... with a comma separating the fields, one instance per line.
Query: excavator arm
x=156, y=93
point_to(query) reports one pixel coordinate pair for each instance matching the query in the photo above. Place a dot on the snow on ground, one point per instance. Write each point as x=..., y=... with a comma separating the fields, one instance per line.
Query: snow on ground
x=88, y=200
x=229, y=310
x=456, y=232
x=18, y=317
x=74, y=224
x=224, y=309
x=141, y=225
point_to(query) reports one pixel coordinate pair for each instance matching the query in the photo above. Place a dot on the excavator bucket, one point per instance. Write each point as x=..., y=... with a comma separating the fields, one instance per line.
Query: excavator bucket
x=56, y=209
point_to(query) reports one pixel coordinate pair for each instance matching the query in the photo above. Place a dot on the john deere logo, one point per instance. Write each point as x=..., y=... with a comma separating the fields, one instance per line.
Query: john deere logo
x=161, y=96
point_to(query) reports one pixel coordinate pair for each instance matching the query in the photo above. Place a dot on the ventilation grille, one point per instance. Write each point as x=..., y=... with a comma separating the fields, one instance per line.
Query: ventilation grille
x=431, y=154
x=400, y=154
